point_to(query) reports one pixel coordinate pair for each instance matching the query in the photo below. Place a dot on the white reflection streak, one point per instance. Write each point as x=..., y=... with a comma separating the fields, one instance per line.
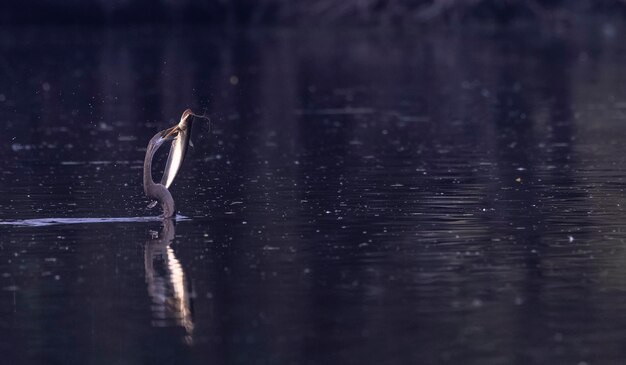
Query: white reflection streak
x=171, y=304
x=43, y=222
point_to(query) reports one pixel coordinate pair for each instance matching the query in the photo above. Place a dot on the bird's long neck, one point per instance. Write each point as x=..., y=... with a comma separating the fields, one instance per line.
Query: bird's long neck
x=151, y=189
x=148, y=183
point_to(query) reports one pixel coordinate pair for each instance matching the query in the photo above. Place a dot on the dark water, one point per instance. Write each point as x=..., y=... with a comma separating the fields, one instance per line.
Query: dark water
x=359, y=197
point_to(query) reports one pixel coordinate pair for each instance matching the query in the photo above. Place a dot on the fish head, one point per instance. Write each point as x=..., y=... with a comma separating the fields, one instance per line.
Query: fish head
x=185, y=119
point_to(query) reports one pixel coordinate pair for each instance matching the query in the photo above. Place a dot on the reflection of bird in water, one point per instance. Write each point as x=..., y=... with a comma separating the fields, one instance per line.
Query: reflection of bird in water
x=179, y=134
x=167, y=287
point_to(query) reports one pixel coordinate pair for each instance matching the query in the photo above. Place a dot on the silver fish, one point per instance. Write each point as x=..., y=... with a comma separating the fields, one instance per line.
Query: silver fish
x=178, y=150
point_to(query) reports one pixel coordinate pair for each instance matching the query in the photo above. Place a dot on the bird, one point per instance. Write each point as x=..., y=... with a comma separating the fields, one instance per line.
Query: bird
x=180, y=137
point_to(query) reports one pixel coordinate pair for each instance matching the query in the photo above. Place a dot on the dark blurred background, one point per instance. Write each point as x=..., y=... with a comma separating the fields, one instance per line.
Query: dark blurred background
x=287, y=12
x=366, y=192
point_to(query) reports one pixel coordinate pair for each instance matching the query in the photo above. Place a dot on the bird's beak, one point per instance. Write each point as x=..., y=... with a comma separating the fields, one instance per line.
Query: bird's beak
x=169, y=133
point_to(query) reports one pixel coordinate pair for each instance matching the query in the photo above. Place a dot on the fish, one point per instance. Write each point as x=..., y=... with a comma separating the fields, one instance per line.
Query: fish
x=181, y=139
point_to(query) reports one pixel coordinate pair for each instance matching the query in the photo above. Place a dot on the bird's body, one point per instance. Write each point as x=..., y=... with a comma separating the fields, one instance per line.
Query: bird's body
x=179, y=135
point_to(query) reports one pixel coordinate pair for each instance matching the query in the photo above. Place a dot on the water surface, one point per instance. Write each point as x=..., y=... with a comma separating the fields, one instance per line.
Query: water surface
x=359, y=197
